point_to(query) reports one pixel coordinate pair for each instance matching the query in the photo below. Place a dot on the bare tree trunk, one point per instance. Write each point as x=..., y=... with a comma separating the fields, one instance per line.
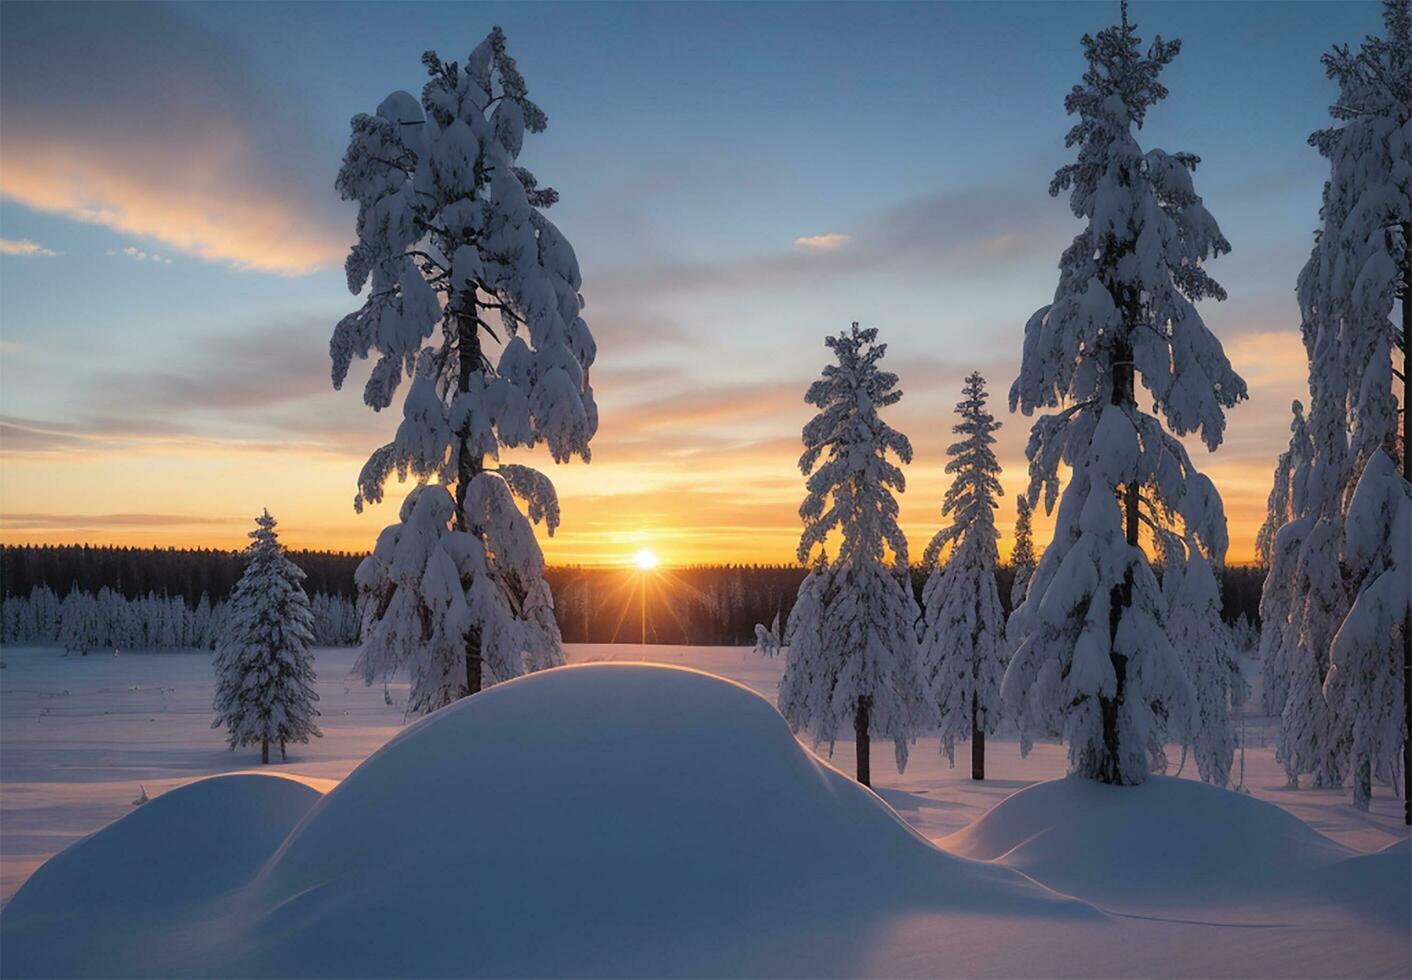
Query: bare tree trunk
x=468, y=462
x=264, y=752
x=860, y=731
x=977, y=744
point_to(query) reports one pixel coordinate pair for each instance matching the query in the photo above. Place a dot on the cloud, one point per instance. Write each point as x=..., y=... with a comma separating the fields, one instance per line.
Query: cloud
x=23, y=246
x=88, y=522
x=971, y=233
x=832, y=240
x=135, y=253
x=158, y=130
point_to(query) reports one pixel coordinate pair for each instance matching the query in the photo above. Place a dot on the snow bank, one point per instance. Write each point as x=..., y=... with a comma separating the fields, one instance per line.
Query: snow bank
x=1178, y=843
x=610, y=819
x=87, y=909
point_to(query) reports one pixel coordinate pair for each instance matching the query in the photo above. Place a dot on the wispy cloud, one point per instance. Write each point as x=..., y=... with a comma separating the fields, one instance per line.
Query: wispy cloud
x=23, y=246
x=138, y=255
x=833, y=239
x=179, y=144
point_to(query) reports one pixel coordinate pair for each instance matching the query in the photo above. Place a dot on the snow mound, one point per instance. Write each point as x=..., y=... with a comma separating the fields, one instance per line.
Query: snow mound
x=1169, y=842
x=188, y=845
x=609, y=819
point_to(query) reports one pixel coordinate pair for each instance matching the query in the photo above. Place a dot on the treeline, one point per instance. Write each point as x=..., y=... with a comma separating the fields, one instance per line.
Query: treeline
x=703, y=605
x=84, y=622
x=135, y=572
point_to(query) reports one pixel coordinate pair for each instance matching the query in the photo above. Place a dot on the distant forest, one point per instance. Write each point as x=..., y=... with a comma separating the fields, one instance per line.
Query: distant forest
x=701, y=604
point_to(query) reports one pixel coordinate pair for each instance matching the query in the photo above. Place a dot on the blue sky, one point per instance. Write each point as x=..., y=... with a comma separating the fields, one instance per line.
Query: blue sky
x=166, y=399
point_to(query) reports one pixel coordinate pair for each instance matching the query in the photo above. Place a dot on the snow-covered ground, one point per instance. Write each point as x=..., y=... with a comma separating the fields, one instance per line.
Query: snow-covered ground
x=79, y=736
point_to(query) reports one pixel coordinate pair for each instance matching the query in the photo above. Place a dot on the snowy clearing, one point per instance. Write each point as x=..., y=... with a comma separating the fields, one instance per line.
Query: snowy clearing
x=80, y=735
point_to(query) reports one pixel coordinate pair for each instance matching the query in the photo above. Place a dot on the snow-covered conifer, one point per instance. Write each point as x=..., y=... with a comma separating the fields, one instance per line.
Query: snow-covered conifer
x=1022, y=557
x=963, y=628
x=1092, y=659
x=450, y=230
x=852, y=639
x=1194, y=626
x=1358, y=269
x=1279, y=506
x=79, y=626
x=264, y=670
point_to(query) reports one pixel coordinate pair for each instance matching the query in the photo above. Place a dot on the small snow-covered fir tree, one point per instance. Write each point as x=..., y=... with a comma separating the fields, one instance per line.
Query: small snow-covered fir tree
x=1092, y=659
x=852, y=641
x=1193, y=610
x=79, y=626
x=963, y=628
x=264, y=670
x=1279, y=509
x=451, y=229
x=1022, y=553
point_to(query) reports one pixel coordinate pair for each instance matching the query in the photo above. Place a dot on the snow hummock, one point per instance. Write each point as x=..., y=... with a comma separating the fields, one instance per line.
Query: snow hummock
x=479, y=841
x=90, y=908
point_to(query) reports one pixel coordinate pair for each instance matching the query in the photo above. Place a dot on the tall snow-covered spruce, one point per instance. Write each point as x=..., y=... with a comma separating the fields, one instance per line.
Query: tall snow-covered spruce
x=1093, y=661
x=1360, y=268
x=450, y=231
x=852, y=642
x=963, y=627
x=264, y=670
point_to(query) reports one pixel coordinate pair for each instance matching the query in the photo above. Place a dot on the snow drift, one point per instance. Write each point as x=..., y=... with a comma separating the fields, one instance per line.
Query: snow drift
x=600, y=820
x=89, y=909
x=1177, y=843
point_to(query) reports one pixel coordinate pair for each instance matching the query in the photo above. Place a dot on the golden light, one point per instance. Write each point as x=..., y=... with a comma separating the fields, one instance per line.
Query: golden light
x=645, y=559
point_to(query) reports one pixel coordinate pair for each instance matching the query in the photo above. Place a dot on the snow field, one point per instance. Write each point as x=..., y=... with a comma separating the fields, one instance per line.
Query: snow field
x=682, y=824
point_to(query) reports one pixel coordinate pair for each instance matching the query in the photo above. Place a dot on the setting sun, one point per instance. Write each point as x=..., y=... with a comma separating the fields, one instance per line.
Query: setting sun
x=645, y=559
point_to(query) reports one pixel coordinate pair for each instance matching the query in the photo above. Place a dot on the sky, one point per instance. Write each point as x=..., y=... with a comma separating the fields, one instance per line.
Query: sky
x=738, y=180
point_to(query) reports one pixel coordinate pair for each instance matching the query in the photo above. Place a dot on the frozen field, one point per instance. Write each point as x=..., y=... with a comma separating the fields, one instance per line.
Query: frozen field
x=80, y=737
x=1187, y=881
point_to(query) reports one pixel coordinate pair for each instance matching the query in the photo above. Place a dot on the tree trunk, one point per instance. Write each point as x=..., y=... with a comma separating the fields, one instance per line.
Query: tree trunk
x=977, y=744
x=282, y=756
x=264, y=752
x=860, y=732
x=1406, y=475
x=468, y=462
x=1363, y=784
x=1110, y=768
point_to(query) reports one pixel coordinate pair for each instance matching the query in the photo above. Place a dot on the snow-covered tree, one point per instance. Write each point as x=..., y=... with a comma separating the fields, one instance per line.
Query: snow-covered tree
x=1092, y=659
x=1357, y=271
x=264, y=670
x=1279, y=506
x=450, y=230
x=853, y=655
x=79, y=626
x=1022, y=553
x=1365, y=683
x=963, y=627
x=1194, y=626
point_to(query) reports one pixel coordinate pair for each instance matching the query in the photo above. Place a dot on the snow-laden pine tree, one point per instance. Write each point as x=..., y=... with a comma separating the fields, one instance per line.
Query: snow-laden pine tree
x=1092, y=659
x=451, y=229
x=1279, y=506
x=1360, y=269
x=1194, y=626
x=963, y=626
x=1365, y=685
x=853, y=656
x=1022, y=553
x=264, y=670
x=1357, y=271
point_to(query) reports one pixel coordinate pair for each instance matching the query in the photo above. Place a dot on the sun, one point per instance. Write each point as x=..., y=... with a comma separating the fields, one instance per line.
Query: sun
x=645, y=559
